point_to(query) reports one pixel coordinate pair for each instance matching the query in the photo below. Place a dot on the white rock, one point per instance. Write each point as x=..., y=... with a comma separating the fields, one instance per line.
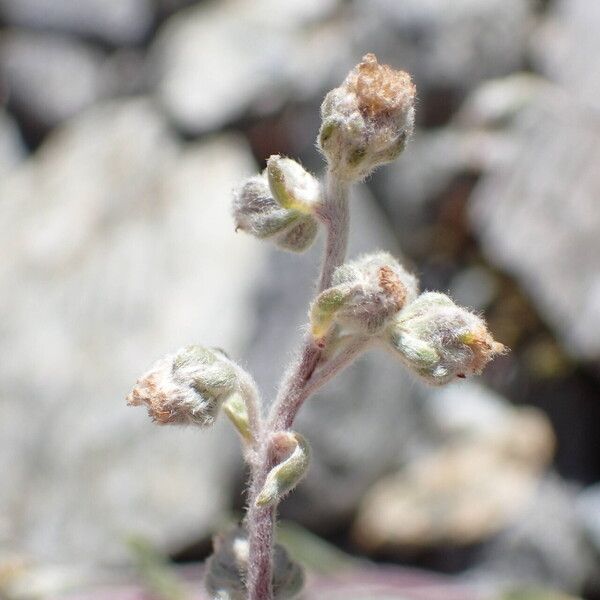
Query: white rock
x=568, y=49
x=116, y=21
x=211, y=61
x=588, y=511
x=12, y=150
x=50, y=77
x=120, y=249
x=536, y=216
x=445, y=43
x=478, y=480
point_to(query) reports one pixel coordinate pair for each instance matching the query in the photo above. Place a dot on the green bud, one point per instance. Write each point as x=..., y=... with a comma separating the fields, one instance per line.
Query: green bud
x=439, y=340
x=293, y=453
x=291, y=185
x=366, y=293
x=256, y=212
x=227, y=568
x=186, y=388
x=325, y=307
x=235, y=409
x=300, y=236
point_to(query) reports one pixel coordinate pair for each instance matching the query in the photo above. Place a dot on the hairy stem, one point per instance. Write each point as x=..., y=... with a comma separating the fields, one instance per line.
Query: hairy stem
x=345, y=357
x=334, y=214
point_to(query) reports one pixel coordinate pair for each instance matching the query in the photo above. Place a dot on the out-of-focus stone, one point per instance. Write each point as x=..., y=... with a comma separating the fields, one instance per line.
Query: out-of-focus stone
x=567, y=49
x=12, y=150
x=588, y=511
x=115, y=21
x=49, y=77
x=211, y=64
x=536, y=211
x=474, y=485
x=545, y=546
x=119, y=248
x=447, y=44
x=536, y=216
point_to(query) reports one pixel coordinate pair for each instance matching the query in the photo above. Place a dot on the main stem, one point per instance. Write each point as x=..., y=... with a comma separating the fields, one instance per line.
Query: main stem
x=335, y=215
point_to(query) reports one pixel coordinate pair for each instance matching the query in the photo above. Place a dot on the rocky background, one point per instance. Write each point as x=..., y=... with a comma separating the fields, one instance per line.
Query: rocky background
x=124, y=125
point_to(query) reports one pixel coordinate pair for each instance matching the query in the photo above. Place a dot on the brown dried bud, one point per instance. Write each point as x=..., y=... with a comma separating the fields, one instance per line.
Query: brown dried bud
x=368, y=119
x=366, y=293
x=185, y=388
x=439, y=340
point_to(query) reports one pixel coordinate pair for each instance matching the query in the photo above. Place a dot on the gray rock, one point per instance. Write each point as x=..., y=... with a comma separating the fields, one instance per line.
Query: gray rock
x=475, y=481
x=211, y=64
x=536, y=216
x=588, y=511
x=50, y=77
x=116, y=21
x=12, y=150
x=448, y=44
x=119, y=249
x=545, y=546
x=410, y=186
x=567, y=49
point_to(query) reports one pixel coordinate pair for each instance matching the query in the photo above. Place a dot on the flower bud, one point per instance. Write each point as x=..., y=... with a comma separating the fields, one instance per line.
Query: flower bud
x=439, y=340
x=365, y=295
x=227, y=568
x=256, y=212
x=368, y=119
x=291, y=185
x=292, y=453
x=185, y=388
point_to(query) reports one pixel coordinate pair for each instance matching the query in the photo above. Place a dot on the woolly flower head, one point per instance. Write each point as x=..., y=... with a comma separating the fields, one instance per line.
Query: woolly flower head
x=365, y=294
x=439, y=340
x=278, y=205
x=185, y=388
x=368, y=119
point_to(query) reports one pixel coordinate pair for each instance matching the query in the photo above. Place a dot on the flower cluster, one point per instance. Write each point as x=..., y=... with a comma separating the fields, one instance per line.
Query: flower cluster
x=377, y=297
x=279, y=205
x=368, y=119
x=186, y=388
x=364, y=295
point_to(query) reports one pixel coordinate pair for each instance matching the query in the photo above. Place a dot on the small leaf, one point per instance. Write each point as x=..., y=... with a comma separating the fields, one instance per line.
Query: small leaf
x=284, y=476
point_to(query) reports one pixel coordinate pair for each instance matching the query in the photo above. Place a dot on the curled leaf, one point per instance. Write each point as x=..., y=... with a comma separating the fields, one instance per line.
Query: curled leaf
x=291, y=468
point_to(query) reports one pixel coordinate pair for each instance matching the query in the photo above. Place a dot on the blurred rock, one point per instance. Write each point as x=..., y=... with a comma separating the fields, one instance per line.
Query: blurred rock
x=546, y=546
x=119, y=248
x=211, y=63
x=115, y=21
x=49, y=77
x=588, y=510
x=363, y=424
x=445, y=44
x=474, y=485
x=412, y=185
x=474, y=287
x=536, y=216
x=12, y=150
x=566, y=49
